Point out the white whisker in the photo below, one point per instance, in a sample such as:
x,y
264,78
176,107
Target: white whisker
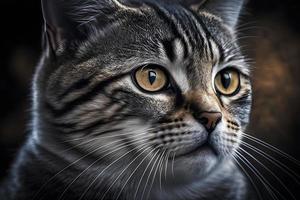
x,y
262,179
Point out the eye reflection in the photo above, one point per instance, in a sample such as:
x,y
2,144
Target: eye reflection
x,y
226,79
227,82
151,78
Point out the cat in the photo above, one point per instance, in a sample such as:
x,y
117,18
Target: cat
x,y
136,100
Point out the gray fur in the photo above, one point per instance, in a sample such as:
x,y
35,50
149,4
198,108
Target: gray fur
x,y
96,135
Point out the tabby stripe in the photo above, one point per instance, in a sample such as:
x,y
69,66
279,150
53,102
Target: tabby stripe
x,y
203,35
130,94
179,100
78,85
108,131
90,128
100,123
68,107
63,125
169,49
198,39
211,50
73,125
231,58
209,36
168,20
185,31
220,49
246,98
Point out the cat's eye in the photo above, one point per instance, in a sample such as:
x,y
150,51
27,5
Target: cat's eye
x,y
151,78
227,82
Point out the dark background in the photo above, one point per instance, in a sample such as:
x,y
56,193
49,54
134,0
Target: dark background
x,y
269,32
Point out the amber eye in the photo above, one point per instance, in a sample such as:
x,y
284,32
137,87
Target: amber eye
x,y
151,79
227,82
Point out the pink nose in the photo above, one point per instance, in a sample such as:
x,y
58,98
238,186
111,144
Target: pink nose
x,y
210,120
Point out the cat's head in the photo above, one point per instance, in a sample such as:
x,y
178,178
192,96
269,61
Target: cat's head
x,y
145,79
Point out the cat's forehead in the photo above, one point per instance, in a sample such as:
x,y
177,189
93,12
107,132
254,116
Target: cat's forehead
x,y
171,30
167,35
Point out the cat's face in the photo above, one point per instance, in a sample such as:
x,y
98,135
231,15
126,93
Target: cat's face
x,y
160,84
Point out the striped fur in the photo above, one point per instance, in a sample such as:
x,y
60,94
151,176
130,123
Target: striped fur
x,y
97,136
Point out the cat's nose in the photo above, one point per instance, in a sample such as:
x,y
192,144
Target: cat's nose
x,y
210,120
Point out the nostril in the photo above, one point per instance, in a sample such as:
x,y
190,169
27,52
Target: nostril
x,y
218,120
203,120
210,120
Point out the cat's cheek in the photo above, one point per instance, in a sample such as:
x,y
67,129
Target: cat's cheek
x,y
150,106
224,141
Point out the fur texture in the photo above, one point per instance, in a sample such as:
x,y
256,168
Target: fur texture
x,y
96,135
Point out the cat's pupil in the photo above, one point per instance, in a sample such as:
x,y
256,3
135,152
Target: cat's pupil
x,y
226,79
152,77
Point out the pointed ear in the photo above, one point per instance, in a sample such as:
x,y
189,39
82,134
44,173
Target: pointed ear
x,y
70,21
227,10
58,25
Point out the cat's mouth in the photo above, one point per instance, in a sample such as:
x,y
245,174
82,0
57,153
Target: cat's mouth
x,y
202,150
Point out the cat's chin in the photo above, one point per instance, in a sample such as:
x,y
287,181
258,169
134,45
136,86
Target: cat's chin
x,y
195,165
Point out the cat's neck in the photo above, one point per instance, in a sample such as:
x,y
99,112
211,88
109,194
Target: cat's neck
x,y
37,170
29,176
225,182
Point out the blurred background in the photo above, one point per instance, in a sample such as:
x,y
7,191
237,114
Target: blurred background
x,y
269,33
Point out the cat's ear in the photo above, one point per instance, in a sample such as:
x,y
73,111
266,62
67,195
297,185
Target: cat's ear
x,y
58,26
227,10
70,21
